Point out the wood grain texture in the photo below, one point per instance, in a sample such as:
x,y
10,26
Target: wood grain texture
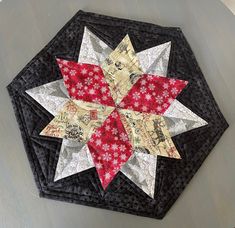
x,y
27,26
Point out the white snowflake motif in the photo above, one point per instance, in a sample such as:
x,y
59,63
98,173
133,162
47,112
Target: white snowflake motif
x,y
66,78
122,104
114,131
96,86
115,161
98,142
114,115
115,154
122,148
103,89
136,104
148,97
159,108
83,71
107,127
123,137
151,86
66,69
73,90
96,69
88,81
103,80
165,105
123,156
105,147
174,91
72,72
104,98
106,156
149,77
99,165
96,100
92,91
143,89
108,120
97,133
136,96
170,100
90,73
159,99
80,93
143,82
67,86
172,81
79,85
144,108
165,93
114,146
107,176
96,77
165,86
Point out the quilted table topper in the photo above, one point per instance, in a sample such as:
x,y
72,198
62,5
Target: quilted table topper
x,y
115,114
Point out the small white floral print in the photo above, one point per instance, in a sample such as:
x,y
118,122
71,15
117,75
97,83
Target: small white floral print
x,y
136,104
80,93
105,147
79,85
73,90
148,97
107,127
83,71
72,72
107,176
170,100
165,86
136,96
98,133
99,165
143,82
122,148
88,81
174,91
151,86
96,69
98,142
92,91
106,157
165,93
114,131
144,109
172,81
123,156
123,137
159,99
114,146
103,89
143,89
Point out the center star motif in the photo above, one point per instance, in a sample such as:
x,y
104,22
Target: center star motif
x,y
114,113
116,110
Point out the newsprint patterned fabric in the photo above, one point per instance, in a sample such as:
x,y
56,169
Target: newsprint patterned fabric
x,y
115,114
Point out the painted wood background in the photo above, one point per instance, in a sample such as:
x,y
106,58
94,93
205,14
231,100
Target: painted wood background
x,y
26,26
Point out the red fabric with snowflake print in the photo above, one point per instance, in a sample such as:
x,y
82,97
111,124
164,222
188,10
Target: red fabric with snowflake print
x,y
152,94
85,82
110,148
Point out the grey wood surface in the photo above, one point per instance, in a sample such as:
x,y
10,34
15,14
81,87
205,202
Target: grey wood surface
x,y
27,25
